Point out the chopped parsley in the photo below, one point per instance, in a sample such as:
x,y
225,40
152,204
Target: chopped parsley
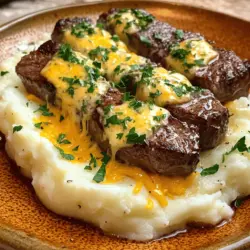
x,y
179,53
72,81
66,53
211,170
76,148
155,94
157,36
39,124
107,109
61,139
143,18
135,104
84,107
97,64
199,62
65,156
92,163
115,38
134,138
159,118
100,175
44,110
100,52
117,69
81,29
127,96
182,89
145,40
2,73
238,202
61,118
147,73
179,34
114,48
114,120
17,128
240,145
119,136
100,26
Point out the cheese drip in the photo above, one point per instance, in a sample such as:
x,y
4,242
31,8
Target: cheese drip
x,y
117,62
190,55
186,57
75,93
126,118
81,146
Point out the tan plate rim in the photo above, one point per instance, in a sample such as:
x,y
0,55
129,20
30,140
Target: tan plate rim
x,y
243,243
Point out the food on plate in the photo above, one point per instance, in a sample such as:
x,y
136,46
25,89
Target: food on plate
x,y
219,70
127,129
113,139
145,80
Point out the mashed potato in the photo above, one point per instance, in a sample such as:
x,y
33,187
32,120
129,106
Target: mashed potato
x,y
68,189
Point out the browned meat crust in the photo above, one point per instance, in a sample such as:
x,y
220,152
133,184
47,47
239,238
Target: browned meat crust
x,y
205,111
228,77
172,150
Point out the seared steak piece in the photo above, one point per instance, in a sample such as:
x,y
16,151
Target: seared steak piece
x,y
29,68
173,149
227,76
206,112
203,110
64,24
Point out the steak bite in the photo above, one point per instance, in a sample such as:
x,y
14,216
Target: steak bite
x,y
29,68
219,70
145,80
170,147
171,150
206,112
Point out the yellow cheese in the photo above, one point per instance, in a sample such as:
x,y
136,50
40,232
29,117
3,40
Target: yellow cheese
x,y
124,59
161,81
125,24
159,187
141,119
57,70
199,53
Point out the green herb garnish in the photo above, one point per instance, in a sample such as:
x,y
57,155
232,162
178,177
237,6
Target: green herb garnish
x,y
17,128
100,175
210,171
61,139
2,73
134,138
44,110
68,157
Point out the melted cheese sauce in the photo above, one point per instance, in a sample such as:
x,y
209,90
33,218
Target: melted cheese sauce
x,y
159,187
199,50
167,94
124,24
142,119
57,69
124,59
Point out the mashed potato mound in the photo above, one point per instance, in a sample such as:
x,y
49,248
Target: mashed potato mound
x,y
69,190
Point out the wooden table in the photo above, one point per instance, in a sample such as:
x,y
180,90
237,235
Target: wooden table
x,y
238,8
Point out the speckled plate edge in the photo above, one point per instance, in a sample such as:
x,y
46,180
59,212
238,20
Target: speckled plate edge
x,y
8,234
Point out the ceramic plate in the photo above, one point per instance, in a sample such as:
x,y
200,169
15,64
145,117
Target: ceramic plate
x,y
26,224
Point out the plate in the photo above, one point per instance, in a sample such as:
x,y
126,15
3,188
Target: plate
x,y
26,224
